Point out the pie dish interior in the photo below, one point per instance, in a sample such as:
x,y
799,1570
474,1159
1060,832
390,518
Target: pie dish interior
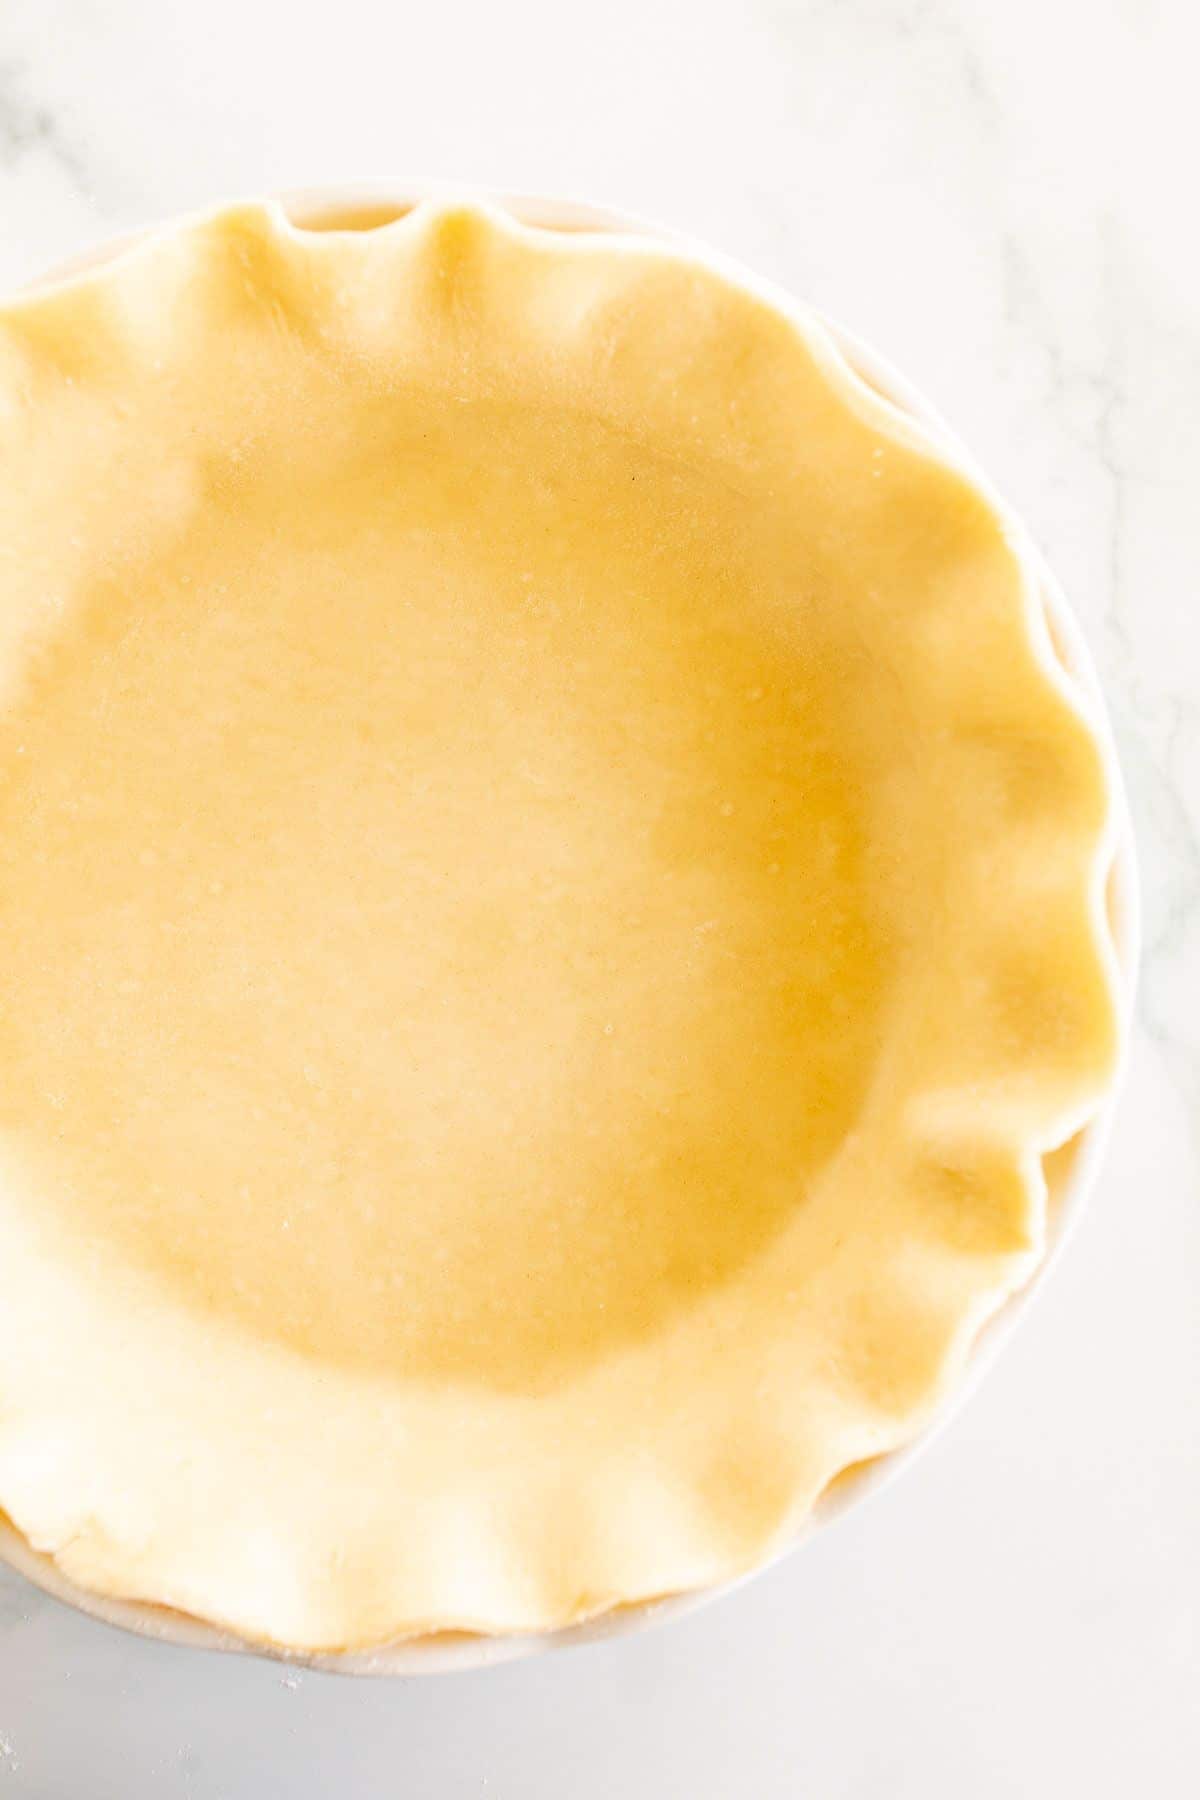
x,y
551,899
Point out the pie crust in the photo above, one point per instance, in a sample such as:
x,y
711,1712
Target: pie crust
x,y
551,904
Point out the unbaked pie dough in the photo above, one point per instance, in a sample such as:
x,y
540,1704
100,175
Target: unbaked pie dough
x,y
550,907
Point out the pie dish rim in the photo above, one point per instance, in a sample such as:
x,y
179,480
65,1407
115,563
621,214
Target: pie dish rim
x,y
439,1652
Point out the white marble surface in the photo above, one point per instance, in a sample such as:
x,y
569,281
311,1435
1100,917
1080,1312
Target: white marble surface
x,y
999,197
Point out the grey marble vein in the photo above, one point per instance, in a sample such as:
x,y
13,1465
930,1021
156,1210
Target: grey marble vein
x,y
29,127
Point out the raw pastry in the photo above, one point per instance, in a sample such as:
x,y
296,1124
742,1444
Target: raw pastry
x,y
550,907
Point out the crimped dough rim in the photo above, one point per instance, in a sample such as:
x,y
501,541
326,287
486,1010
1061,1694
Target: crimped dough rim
x,y
713,1554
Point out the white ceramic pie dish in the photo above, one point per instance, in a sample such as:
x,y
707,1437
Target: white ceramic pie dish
x,y
1069,1173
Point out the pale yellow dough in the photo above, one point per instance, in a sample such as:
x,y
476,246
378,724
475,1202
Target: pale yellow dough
x,y
549,908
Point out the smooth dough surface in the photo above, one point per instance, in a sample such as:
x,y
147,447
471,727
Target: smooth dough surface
x,y
549,908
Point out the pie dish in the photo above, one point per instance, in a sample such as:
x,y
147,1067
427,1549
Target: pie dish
x,y
552,888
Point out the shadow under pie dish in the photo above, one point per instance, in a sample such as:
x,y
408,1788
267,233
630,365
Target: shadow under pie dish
x,y
551,905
